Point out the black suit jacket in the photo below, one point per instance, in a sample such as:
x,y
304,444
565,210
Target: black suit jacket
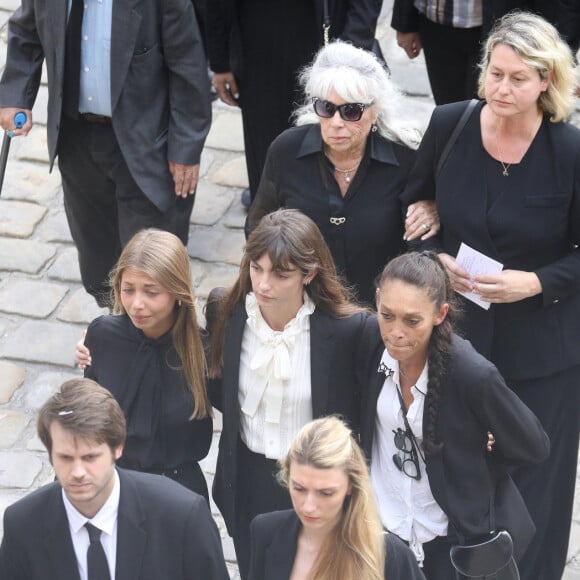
x,y
334,391
464,478
159,86
533,225
351,20
164,531
274,537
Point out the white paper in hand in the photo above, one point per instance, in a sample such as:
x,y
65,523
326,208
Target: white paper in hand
x,y
476,263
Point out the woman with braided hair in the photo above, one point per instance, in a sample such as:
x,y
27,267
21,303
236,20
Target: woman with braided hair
x,y
430,403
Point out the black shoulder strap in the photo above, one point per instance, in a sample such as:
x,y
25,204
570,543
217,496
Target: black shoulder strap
x,y
456,132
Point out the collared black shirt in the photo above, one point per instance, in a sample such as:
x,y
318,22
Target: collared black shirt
x,y
298,175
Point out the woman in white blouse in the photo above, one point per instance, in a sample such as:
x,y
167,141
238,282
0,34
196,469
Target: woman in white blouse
x,y
283,339
429,402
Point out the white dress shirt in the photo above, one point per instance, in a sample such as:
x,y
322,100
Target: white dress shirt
x,y
407,507
105,520
274,391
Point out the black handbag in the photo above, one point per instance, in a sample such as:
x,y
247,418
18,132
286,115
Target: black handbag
x,y
490,559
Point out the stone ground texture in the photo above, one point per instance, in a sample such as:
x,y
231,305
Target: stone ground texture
x,y
44,309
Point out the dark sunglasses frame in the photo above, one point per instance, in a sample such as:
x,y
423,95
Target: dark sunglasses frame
x,y
350,112
406,444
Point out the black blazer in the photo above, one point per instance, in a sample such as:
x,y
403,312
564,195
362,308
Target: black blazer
x,y
351,20
163,531
334,391
464,478
533,225
274,538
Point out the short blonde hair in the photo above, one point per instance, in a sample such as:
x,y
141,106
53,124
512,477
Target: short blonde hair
x,y
357,548
541,47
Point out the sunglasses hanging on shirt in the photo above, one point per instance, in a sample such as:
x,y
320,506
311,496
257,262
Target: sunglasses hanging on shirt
x,y
407,460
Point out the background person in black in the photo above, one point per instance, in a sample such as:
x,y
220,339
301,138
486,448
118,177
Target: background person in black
x,y
347,169
256,49
510,188
334,531
150,356
282,344
421,378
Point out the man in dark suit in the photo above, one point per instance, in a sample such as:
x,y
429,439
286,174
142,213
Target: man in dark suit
x,y
136,526
128,113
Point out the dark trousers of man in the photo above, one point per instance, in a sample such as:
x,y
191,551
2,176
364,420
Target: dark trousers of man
x,y
104,206
451,56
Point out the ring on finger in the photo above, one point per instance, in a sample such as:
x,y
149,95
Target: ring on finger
x,y
426,227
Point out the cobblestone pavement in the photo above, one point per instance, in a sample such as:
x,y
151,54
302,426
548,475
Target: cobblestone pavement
x,y
44,309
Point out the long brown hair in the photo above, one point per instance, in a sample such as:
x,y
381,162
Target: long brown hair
x,y
356,548
290,239
162,256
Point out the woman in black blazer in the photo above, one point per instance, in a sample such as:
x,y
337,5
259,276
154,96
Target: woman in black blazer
x,y
334,531
510,188
429,404
282,344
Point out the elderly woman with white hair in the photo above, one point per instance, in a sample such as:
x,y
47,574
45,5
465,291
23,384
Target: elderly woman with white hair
x,y
345,165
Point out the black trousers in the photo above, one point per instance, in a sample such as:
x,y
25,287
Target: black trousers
x,y
104,206
258,492
451,56
279,37
548,488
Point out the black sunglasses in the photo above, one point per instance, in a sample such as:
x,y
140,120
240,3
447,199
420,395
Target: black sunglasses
x,y
408,465
347,112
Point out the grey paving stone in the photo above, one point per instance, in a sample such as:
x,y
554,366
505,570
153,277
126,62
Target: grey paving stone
x,y
216,245
36,299
226,131
206,161
4,16
66,266
12,424
80,308
235,216
24,255
54,228
217,276
33,147
44,342
232,174
211,203
18,470
411,79
26,181
10,5
46,384
11,377
35,444
18,219
40,109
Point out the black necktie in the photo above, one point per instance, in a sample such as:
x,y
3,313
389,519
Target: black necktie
x,y
72,70
97,566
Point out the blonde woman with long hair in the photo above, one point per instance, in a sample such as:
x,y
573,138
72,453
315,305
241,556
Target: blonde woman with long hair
x,y
150,355
334,531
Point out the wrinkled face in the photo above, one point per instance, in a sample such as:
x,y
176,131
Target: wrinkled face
x,y
346,137
511,86
85,469
318,495
277,290
149,305
406,318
